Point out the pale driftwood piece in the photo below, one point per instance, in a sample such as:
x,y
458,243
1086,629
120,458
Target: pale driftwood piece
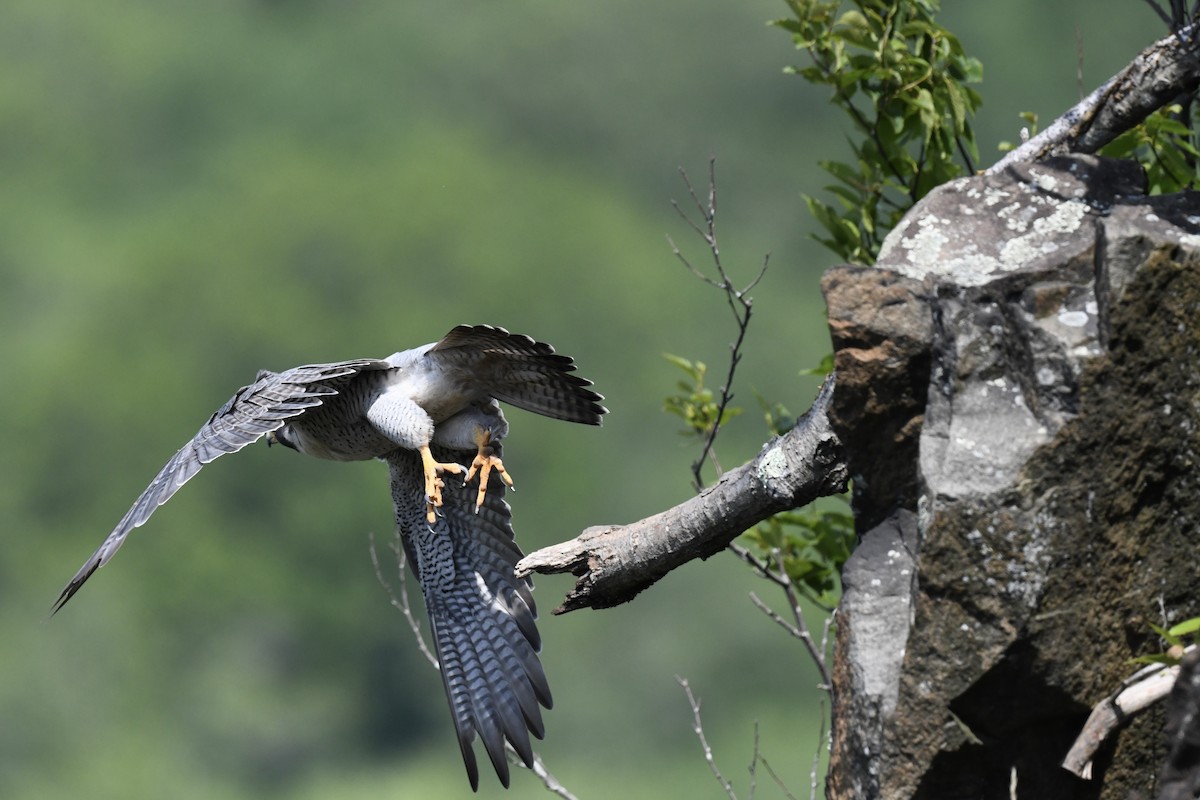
x,y
1146,687
615,562
1162,72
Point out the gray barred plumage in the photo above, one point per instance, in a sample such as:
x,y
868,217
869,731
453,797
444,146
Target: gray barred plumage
x,y
441,399
483,618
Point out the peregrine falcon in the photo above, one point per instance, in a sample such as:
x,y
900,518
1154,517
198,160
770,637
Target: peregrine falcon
x,y
423,411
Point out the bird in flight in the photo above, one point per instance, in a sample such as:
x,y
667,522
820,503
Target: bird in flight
x,y
423,411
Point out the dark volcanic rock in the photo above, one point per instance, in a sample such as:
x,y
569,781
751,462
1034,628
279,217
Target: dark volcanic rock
x,y
1019,382
1181,775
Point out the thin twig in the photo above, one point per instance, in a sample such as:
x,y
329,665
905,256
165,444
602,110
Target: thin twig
x,y
1079,61
698,729
754,764
759,565
779,781
740,303
548,780
826,626
776,618
1163,15
822,741
400,599
798,614
966,157
800,632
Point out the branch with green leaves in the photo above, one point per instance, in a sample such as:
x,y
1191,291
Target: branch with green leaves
x,y
1156,78
904,83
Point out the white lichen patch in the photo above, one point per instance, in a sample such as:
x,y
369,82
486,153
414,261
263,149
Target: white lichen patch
x,y
1065,219
933,245
992,196
926,245
1073,319
773,465
1043,180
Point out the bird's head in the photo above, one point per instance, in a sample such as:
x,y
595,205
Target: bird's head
x,y
282,436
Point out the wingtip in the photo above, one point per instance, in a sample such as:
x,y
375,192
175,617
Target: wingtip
x,y
74,585
66,595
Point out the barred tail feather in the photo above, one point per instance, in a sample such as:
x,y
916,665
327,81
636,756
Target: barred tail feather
x,y
483,618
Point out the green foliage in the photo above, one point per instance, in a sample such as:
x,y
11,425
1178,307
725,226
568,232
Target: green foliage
x,y
807,545
902,80
810,546
1177,637
822,369
779,420
695,404
1163,145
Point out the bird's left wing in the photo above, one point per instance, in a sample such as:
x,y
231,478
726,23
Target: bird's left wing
x,y
254,411
483,617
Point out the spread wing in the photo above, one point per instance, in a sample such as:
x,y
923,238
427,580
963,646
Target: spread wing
x,y
483,617
255,410
516,369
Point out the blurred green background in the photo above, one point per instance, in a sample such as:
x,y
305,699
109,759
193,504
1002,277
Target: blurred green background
x,y
192,191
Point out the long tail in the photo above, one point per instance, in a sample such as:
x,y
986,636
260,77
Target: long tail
x,y
483,618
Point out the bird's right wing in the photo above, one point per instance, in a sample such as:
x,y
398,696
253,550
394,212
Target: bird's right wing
x,y
483,617
520,371
254,411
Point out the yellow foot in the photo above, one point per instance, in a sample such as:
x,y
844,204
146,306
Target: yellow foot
x,y
433,483
485,462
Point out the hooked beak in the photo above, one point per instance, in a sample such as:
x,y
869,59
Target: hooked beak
x,y
280,436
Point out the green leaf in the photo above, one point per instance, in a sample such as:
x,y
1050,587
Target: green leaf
x,y
1185,628
822,369
694,369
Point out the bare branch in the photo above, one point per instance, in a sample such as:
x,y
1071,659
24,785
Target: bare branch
x,y
683,259
1158,75
698,729
754,759
615,562
539,768
800,631
774,616
400,599
754,561
799,628
1142,689
1079,60
778,780
1163,15
822,741
739,302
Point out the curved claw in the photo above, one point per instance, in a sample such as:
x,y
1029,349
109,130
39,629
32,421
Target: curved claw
x,y
433,483
486,462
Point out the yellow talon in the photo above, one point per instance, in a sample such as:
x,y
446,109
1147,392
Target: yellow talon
x,y
485,462
433,483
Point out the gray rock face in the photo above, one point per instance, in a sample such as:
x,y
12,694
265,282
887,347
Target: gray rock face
x,y
1019,390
